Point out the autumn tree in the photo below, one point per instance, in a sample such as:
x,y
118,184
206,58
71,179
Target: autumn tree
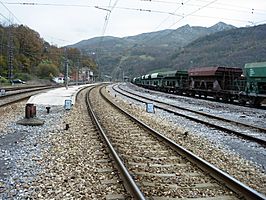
x,y
29,47
47,69
34,56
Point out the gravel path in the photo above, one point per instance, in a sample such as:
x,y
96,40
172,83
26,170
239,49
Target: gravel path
x,y
178,130
21,148
50,162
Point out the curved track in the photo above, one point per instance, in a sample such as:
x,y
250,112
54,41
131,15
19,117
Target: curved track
x,y
245,131
19,95
156,167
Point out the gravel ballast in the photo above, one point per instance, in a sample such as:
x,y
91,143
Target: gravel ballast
x,y
223,157
48,161
55,162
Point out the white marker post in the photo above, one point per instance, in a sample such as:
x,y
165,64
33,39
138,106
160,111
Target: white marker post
x,y
68,104
3,92
150,108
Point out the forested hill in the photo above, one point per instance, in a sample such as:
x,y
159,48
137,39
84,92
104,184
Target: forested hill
x,y
234,47
145,52
32,57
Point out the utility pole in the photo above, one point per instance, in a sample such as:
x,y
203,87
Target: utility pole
x,y
77,73
10,55
66,70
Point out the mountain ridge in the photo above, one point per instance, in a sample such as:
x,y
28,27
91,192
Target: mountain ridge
x,y
220,26
167,49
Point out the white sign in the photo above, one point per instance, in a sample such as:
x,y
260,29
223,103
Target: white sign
x,y
68,104
3,92
150,107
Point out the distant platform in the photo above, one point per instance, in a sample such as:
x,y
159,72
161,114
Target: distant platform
x,y
57,97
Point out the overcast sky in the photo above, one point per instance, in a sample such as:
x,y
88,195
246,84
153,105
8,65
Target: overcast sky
x,y
63,22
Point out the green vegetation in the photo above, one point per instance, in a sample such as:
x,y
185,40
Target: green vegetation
x,y
3,81
166,50
183,48
233,48
47,70
32,56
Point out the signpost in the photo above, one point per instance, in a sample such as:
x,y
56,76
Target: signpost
x,y
3,92
68,104
150,107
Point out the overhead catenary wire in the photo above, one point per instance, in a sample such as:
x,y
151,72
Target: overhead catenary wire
x,y
226,5
106,8
156,37
180,4
182,18
229,6
190,14
5,17
107,17
10,12
193,12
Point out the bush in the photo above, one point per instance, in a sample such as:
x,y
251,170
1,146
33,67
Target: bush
x,y
46,70
3,80
24,76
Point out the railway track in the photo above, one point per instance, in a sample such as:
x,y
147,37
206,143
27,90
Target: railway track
x,y
103,167
21,87
154,167
245,131
22,94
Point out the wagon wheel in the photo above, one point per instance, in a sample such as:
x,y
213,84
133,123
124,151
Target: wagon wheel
x,y
254,101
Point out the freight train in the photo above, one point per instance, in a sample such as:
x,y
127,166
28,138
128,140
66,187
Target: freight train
x,y
228,84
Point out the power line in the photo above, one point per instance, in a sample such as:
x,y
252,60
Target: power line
x,y
49,4
181,4
106,21
229,6
10,12
204,6
5,17
156,37
169,16
106,8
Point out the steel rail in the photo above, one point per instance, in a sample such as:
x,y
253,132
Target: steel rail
x,y
201,113
216,173
23,91
248,137
25,96
22,87
130,183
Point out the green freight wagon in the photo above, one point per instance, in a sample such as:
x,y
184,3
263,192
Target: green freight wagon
x,y
255,89
174,81
256,78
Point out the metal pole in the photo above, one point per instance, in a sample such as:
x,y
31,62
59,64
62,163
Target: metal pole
x,y
66,70
77,73
10,55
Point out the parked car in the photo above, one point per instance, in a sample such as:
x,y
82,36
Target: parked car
x,y
18,81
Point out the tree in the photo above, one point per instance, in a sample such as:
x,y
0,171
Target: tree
x,y
47,70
